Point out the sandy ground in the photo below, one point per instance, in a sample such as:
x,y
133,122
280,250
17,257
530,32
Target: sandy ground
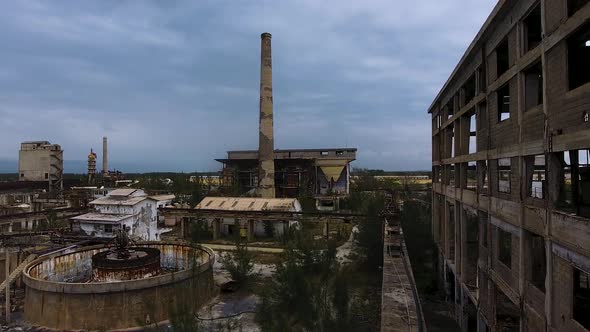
x,y
343,252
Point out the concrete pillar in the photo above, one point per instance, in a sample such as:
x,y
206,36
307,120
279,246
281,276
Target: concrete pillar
x,y
10,228
327,229
216,228
7,285
250,230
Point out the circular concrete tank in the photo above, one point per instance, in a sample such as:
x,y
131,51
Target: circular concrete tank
x,y
61,293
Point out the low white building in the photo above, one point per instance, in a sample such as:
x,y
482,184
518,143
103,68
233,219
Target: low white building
x,y
230,215
132,208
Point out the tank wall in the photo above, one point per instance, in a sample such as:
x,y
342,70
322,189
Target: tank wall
x,y
103,311
115,305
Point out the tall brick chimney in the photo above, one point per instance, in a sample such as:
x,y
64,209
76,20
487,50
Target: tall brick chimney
x,y
266,163
105,161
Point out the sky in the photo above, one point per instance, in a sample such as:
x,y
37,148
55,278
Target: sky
x,y
175,84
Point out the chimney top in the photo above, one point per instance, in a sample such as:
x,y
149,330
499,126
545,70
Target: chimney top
x,y
265,35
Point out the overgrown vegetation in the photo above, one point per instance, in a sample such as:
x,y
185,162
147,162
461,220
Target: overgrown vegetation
x,y
239,263
311,291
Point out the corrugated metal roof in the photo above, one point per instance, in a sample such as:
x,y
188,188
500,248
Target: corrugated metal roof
x,y
249,204
98,217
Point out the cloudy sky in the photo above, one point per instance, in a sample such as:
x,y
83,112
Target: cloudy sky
x,y
174,84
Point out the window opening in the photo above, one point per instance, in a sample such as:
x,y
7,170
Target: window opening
x,y
505,247
533,89
503,96
538,263
472,175
532,29
504,175
502,57
578,51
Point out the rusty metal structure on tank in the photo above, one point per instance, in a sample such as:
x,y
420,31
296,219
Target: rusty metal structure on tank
x,y
125,262
266,166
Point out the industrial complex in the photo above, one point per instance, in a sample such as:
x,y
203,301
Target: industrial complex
x,y
510,144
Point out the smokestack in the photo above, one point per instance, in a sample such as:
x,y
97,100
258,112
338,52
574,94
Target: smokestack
x,y
105,162
266,162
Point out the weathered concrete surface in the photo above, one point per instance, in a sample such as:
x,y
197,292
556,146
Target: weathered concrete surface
x,y
54,303
266,163
400,306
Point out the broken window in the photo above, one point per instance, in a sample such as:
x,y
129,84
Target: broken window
x,y
471,175
502,57
108,228
472,133
503,98
504,175
536,176
538,264
481,78
532,29
483,176
575,182
436,174
449,108
46,175
574,5
505,247
324,153
533,86
581,297
469,89
451,169
578,51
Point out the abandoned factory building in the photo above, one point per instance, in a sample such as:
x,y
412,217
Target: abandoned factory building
x,y
322,173
511,173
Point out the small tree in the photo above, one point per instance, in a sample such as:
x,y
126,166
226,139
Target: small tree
x,y
240,263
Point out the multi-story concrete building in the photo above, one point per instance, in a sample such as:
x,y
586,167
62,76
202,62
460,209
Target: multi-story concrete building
x,y
511,172
41,161
321,173
129,208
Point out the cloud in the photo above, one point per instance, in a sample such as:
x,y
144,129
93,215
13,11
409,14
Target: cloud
x,y
175,84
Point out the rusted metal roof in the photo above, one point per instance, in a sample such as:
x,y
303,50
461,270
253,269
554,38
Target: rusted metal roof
x,y
249,204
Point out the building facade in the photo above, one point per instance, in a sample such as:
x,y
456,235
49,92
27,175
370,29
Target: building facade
x,y
41,161
131,208
321,173
230,216
511,171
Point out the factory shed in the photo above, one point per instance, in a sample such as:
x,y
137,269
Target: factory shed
x,y
229,215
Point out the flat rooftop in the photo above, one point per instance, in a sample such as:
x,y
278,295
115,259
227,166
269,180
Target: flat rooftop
x,y
327,153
